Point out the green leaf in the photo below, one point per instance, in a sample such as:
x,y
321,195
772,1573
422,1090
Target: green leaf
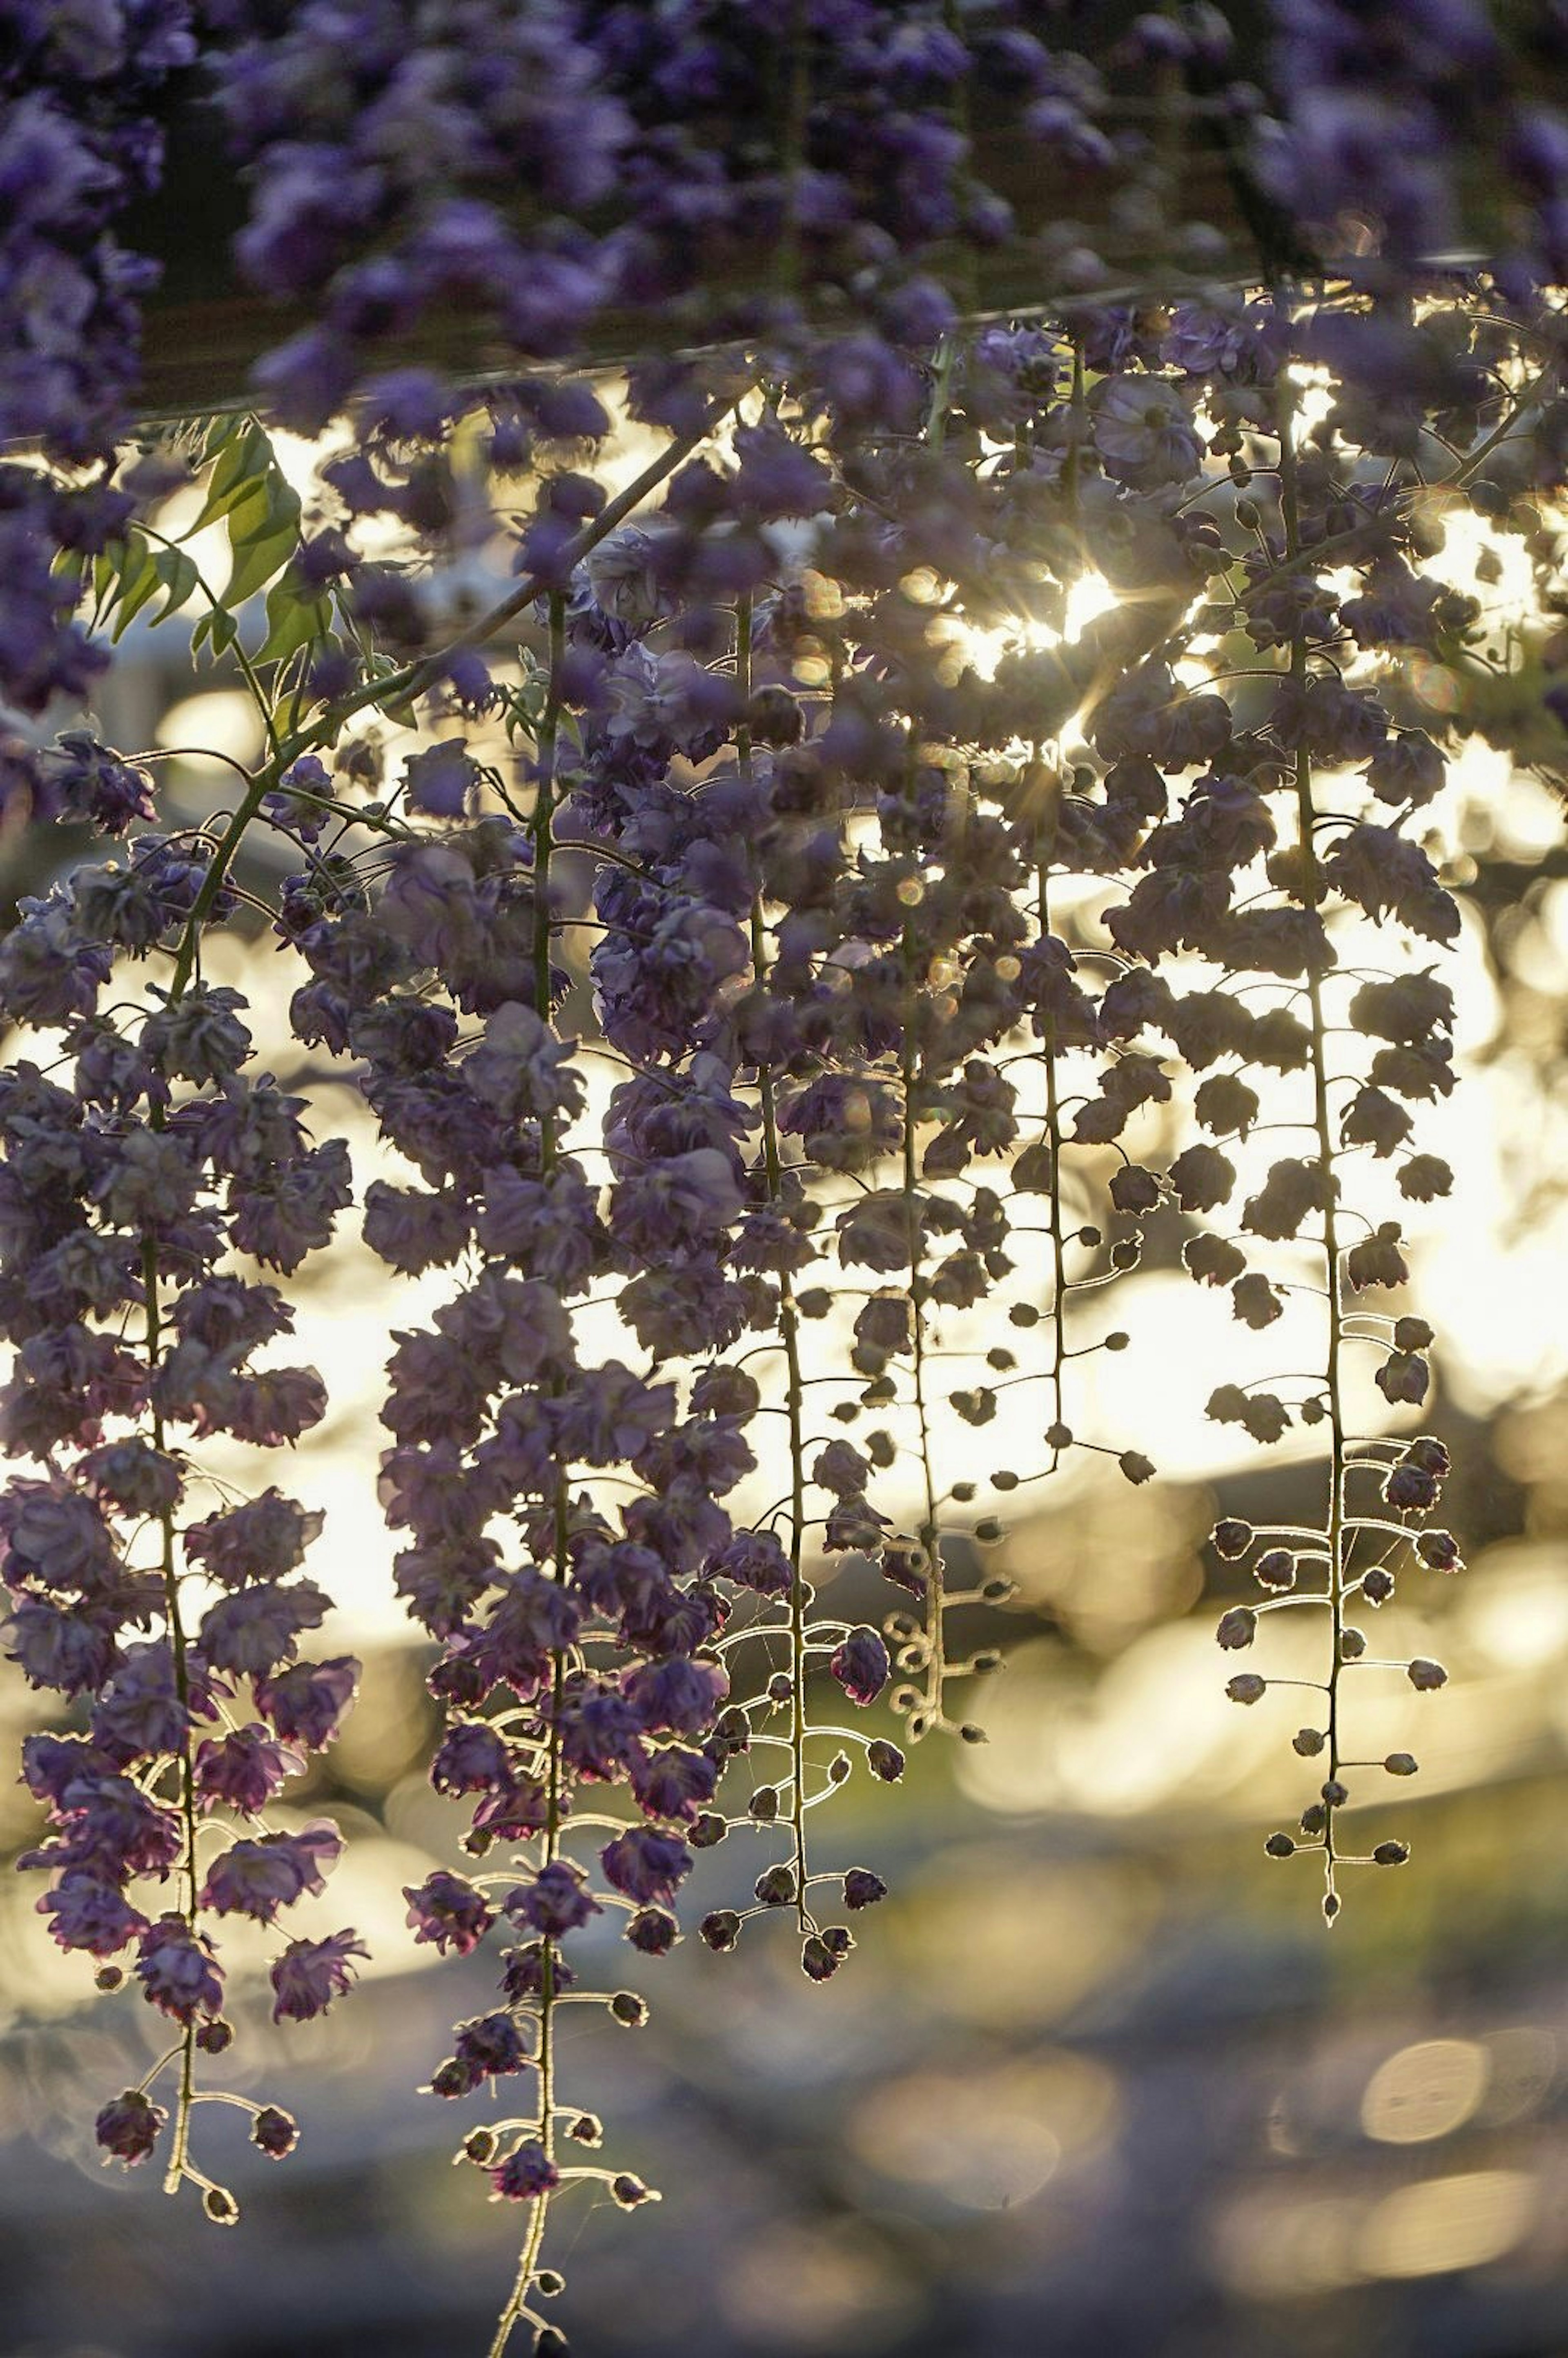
x,y
178,574
138,582
292,621
245,460
218,626
256,560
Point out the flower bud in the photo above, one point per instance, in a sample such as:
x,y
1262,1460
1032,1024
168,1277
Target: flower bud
x,y
213,2038
478,2146
1230,1538
550,2284
1280,1846
455,2078
587,2129
720,1930
1275,1569
1247,1687
1425,1676
653,1932
862,1888
884,1760
1058,1436
817,1961
775,1886
1334,1794
629,2010
274,2132
1352,1645
1237,1627
707,1830
628,2192
839,1768
1390,1854
221,2207
1377,1585
763,1804
1309,1742
107,1978
1401,1764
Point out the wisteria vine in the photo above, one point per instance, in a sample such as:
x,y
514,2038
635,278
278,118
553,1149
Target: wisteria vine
x,y
919,766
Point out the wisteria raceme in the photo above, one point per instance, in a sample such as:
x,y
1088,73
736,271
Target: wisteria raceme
x,y
127,1194
918,848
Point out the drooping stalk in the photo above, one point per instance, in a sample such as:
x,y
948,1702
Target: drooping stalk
x,y
800,1597
175,2175
541,832
1311,888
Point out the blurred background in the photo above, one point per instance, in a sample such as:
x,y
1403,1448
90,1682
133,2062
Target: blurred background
x,y
1097,2078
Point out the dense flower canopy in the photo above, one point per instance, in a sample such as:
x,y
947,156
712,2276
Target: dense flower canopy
x,y
971,746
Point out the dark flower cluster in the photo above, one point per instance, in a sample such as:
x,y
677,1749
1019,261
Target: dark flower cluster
x,y
925,840
149,1177
79,140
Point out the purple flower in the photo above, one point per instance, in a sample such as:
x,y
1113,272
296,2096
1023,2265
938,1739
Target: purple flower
x,y
646,1864
860,1665
557,1901
448,1911
175,1966
1144,432
306,1701
673,1782
257,1877
90,1914
311,1973
258,1629
473,1758
527,2173
492,2045
678,1697
244,1769
441,781
127,2127
139,1714
265,1540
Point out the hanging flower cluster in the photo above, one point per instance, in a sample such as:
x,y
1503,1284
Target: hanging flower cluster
x,y
170,1610
869,878
79,140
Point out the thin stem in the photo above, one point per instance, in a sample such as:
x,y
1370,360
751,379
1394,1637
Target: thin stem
x,y
179,2151
1312,891
789,1335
